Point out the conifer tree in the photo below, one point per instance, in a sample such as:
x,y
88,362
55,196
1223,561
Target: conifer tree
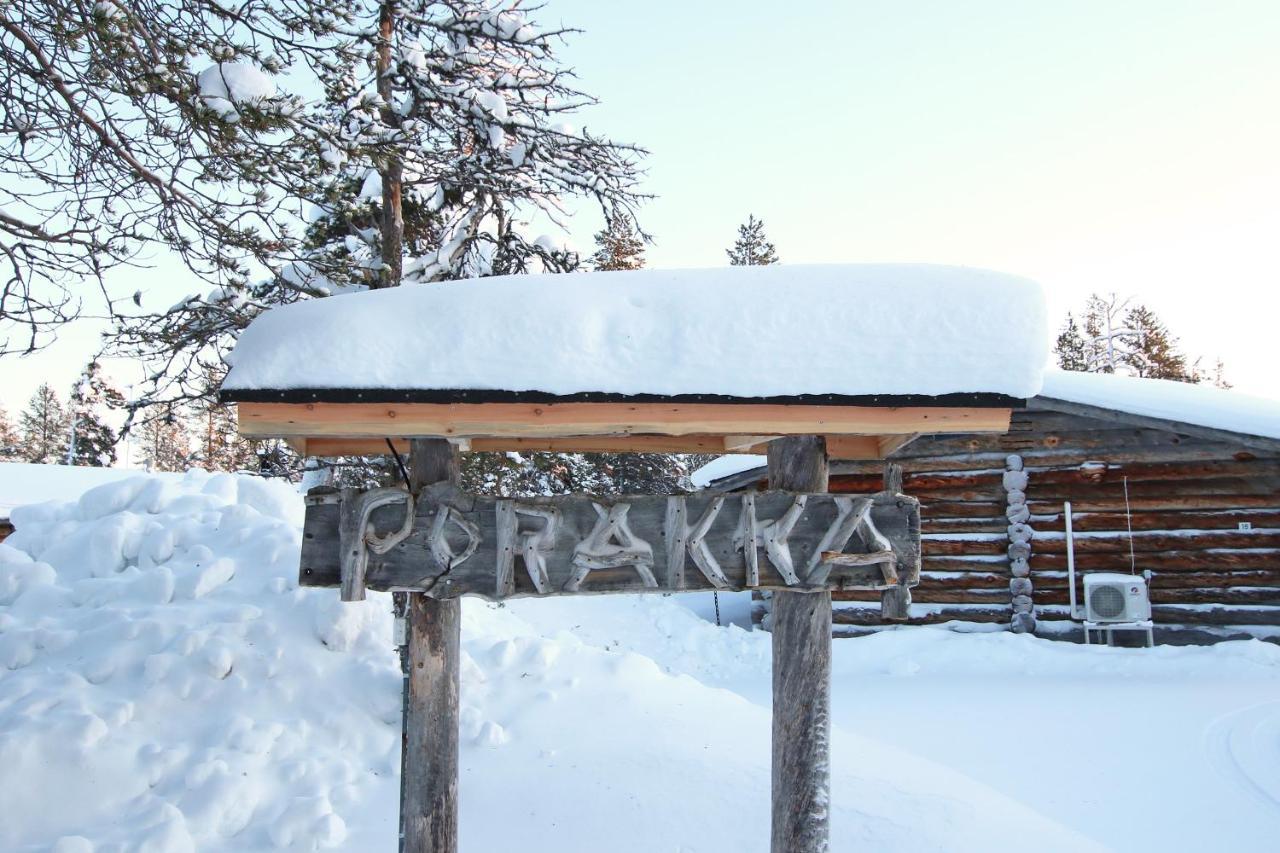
x,y
165,442
1070,349
1152,351
752,248
44,427
92,441
1114,336
219,446
10,441
618,246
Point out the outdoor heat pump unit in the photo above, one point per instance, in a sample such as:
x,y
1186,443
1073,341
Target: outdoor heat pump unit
x,y
1113,597
1112,600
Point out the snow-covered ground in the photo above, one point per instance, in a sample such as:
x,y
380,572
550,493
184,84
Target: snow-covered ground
x,y
165,686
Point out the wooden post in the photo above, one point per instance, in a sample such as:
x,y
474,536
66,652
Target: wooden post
x,y
895,602
801,677
429,768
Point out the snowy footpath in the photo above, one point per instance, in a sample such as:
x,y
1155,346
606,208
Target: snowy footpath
x,y
166,686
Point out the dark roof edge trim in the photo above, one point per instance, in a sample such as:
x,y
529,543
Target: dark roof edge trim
x,y
415,395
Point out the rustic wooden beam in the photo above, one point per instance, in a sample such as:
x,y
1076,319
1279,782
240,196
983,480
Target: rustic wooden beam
x,y
429,770
801,678
553,420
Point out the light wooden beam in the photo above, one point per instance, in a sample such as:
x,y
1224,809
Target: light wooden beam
x,y
844,447
746,443
557,420
890,444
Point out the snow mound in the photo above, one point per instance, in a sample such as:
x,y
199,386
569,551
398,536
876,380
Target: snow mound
x,y
165,685
726,466
26,483
740,331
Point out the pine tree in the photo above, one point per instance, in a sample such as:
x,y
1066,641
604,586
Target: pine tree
x,y
10,440
443,137
165,441
752,248
219,446
92,442
127,125
1152,351
618,246
44,427
1116,337
1070,348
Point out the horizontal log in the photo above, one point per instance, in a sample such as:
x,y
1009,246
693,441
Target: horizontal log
x,y
1165,561
1087,522
556,420
1146,542
1196,471
924,595
1165,595
871,616
1046,580
1049,506
1198,491
462,544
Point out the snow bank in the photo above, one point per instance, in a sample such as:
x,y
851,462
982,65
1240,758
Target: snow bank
x,y
740,331
24,483
165,686
1201,405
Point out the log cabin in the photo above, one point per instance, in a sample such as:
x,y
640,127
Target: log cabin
x,y
1193,471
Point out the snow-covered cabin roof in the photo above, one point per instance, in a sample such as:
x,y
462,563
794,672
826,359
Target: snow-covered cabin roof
x,y
1213,413
1173,402
816,334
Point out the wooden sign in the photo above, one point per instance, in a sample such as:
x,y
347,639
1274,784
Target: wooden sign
x,y
449,543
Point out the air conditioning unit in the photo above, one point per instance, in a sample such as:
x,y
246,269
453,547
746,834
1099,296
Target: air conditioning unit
x,y
1111,597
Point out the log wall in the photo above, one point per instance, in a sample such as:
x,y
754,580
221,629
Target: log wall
x,y
1187,495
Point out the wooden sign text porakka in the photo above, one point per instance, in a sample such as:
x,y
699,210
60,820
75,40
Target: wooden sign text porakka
x,y
450,543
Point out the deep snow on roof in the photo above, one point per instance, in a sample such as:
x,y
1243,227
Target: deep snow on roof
x,y
871,329
1200,405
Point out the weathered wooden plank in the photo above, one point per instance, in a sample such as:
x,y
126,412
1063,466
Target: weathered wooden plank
x,y
1103,414
801,779
459,543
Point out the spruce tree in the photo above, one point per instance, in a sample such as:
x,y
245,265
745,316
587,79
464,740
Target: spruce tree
x,y
92,441
618,246
752,248
1070,349
1152,351
44,427
10,440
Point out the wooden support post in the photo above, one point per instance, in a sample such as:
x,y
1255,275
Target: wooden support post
x,y
429,768
801,677
895,602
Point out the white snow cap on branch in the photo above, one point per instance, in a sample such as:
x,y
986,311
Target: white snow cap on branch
x,y
226,84
740,331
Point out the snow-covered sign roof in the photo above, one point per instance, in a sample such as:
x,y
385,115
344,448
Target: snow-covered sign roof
x,y
1160,399
742,332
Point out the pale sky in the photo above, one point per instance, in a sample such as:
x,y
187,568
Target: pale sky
x,y
1129,146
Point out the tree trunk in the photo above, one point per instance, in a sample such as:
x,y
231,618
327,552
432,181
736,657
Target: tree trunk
x,y
801,678
391,169
429,771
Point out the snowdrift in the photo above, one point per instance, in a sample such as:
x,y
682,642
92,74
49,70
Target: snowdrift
x,y
166,686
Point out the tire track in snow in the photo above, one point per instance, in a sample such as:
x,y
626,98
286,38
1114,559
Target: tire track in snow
x,y
1244,745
